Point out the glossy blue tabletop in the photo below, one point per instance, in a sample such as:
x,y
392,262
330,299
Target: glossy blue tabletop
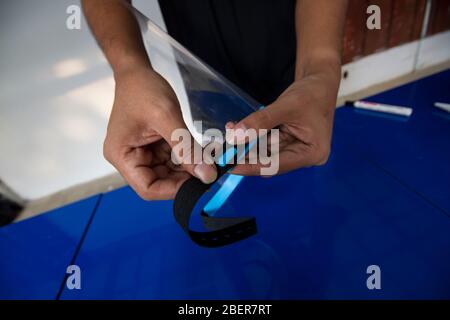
x,y
416,151
319,230
35,253
382,199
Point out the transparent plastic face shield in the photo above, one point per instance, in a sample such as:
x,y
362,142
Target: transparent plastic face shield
x,y
207,101
204,95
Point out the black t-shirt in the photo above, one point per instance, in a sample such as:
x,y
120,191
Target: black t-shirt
x,y
250,42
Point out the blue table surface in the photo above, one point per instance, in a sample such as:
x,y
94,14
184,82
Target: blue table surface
x,y
319,229
415,151
35,253
382,199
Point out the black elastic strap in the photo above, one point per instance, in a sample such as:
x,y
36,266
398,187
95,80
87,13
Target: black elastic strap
x,y
224,231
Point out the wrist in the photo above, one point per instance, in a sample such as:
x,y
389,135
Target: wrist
x,y
129,66
328,65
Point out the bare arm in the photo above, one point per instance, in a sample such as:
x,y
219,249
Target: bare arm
x,y
145,111
117,33
304,111
319,27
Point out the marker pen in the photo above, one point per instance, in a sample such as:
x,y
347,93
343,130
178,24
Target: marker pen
x,y
442,106
373,106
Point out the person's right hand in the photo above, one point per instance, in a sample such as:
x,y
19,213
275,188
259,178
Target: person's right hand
x,y
138,141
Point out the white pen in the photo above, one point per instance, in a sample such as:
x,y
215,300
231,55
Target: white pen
x,y
373,106
442,106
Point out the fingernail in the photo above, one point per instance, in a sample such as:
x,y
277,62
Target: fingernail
x,y
229,136
206,173
240,132
229,125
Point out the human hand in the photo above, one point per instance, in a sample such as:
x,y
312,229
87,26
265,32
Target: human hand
x,y
138,141
304,115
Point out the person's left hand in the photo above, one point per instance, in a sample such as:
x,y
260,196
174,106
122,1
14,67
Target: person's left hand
x,y
304,115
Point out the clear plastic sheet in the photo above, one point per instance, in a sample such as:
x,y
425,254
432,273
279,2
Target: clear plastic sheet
x,y
204,94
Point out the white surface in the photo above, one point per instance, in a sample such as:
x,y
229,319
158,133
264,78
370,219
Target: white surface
x,y
56,91
395,62
434,50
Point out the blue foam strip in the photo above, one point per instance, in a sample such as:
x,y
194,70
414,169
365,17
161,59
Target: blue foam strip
x,y
231,182
219,198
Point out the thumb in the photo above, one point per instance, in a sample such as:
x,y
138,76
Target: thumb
x,y
185,150
265,118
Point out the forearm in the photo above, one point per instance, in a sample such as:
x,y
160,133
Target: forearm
x,y
118,34
319,28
